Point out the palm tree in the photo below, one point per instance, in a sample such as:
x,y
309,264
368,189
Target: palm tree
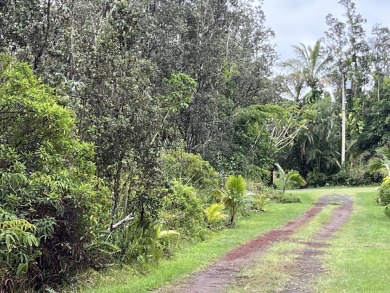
x,y
381,163
289,177
319,141
232,196
309,68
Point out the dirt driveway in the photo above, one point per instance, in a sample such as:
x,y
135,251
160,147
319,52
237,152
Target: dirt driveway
x,y
307,263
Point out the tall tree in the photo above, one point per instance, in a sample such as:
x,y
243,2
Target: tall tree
x,y
225,47
309,68
47,178
347,47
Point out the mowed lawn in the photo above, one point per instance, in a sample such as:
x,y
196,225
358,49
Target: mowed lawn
x,y
359,260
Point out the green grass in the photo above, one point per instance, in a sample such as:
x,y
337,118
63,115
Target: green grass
x,y
272,271
359,258
357,261
197,256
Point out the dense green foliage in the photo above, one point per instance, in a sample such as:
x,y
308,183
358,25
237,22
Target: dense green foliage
x,y
183,210
53,205
384,192
141,108
191,169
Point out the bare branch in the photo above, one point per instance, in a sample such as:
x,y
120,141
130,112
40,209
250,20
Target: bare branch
x,y
128,218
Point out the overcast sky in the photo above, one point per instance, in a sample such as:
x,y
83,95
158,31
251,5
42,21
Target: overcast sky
x,y
303,21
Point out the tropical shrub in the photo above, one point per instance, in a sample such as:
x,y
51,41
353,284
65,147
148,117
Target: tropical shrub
x,y
50,197
290,179
215,214
285,198
182,210
276,195
190,168
256,172
17,247
318,179
259,201
356,176
381,163
143,246
232,196
384,192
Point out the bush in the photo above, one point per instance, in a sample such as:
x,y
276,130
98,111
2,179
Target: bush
x,y
191,169
356,176
387,211
142,246
259,201
340,178
256,186
257,173
278,196
48,185
287,199
384,192
182,210
317,179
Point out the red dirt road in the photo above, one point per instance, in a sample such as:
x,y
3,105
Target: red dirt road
x,y
222,273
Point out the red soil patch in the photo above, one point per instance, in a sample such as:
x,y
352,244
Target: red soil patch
x,y
220,275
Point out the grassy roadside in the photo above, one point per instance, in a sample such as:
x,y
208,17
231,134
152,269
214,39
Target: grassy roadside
x,y
359,259
200,255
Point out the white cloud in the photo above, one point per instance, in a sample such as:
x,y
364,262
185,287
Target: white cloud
x,y
303,21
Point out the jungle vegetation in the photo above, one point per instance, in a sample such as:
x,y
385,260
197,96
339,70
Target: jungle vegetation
x,y
122,121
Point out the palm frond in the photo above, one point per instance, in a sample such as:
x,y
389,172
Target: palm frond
x,y
294,176
280,170
236,184
214,213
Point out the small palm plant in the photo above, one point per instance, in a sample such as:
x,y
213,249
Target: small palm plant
x,y
292,176
259,201
381,163
232,196
215,214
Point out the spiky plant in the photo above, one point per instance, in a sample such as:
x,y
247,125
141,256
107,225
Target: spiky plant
x,y
292,176
259,201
